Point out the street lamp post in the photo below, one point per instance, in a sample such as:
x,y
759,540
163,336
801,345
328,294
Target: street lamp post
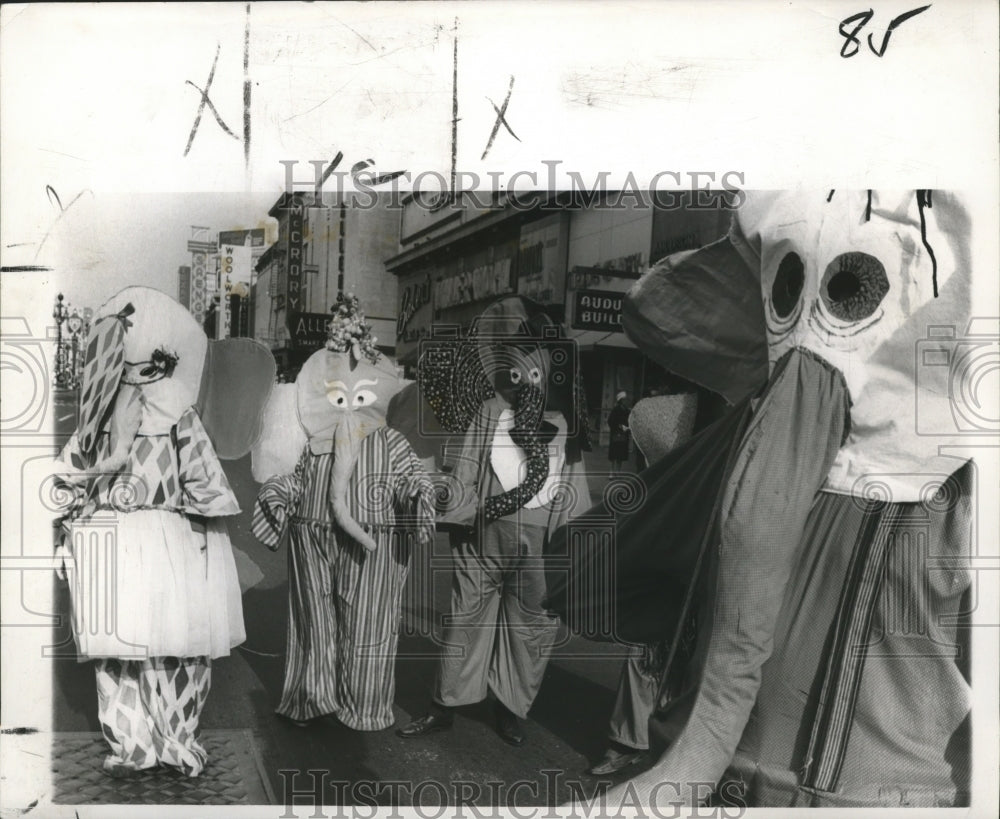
x,y
60,313
74,324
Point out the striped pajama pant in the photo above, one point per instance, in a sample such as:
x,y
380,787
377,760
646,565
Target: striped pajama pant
x,y
343,625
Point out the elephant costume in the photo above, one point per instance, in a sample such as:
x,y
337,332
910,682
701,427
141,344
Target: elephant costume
x,y
153,581
354,505
512,389
814,540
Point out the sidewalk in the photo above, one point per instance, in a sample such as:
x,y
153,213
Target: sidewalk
x,y
566,730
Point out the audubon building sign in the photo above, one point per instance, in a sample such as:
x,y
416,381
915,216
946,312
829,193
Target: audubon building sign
x,y
598,310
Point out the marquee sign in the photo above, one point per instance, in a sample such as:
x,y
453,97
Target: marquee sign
x,y
598,310
296,211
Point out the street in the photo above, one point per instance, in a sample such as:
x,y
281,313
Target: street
x,y
566,730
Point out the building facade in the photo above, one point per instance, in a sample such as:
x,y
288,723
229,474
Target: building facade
x,y
215,288
320,252
579,258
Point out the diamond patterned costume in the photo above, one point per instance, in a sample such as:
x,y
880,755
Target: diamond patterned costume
x,y
153,583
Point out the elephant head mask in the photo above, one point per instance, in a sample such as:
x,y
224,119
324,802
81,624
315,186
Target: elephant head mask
x,y
341,396
809,317
516,351
147,361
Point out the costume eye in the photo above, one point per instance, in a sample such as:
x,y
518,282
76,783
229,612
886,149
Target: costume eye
x,y
853,286
515,376
364,398
337,397
534,375
787,286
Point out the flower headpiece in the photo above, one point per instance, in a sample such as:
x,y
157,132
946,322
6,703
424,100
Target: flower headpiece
x,y
347,330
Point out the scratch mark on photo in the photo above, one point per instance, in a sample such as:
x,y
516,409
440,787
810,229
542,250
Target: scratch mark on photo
x,y
63,153
356,33
319,104
62,212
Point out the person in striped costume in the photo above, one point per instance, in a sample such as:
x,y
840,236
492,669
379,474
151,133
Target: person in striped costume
x,y
354,507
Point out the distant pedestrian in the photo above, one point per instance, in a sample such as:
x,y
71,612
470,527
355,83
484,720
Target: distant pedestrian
x,y
618,447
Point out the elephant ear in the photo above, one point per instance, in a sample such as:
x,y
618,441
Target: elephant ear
x,y
699,314
453,382
411,415
235,385
282,438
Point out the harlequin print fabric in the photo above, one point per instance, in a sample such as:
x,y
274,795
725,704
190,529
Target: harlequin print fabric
x,y
153,567
149,711
176,470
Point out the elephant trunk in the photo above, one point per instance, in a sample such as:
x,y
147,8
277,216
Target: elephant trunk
x,y
799,423
346,446
122,430
529,405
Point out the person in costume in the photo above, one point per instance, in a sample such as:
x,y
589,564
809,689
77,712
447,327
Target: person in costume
x,y
820,532
152,578
512,388
618,445
658,423
354,506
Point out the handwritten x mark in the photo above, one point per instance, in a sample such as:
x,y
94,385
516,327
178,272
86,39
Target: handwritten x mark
x,y
206,101
501,120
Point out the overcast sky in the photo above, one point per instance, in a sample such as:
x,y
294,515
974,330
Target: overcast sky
x,y
107,241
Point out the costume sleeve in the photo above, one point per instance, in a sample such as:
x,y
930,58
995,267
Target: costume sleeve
x,y
460,503
276,501
205,490
414,492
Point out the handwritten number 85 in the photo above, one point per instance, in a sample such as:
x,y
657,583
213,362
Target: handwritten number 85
x,y
862,18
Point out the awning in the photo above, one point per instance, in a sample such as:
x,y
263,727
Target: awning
x,y
596,339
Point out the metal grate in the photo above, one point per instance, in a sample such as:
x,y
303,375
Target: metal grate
x,y
234,775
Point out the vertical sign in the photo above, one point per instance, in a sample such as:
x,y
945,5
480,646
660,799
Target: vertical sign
x,y
184,286
236,265
296,224
199,288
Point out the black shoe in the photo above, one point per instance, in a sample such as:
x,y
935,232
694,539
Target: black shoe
x,y
508,726
427,724
298,723
617,760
